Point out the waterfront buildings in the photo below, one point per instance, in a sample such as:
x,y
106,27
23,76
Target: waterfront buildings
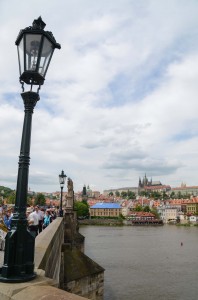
x,y
141,216
105,210
120,190
192,208
127,206
168,213
193,219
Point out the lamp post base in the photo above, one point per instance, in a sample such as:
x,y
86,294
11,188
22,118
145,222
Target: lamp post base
x,y
19,255
15,279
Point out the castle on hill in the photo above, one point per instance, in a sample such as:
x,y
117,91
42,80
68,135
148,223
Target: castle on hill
x,y
145,182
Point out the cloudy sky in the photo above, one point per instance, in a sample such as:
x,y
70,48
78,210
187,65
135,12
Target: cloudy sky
x,y
120,98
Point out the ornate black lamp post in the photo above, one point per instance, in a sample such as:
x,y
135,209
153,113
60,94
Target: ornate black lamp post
x,y
62,178
35,50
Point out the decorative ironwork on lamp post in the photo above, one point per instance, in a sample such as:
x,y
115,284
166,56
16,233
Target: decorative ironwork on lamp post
x,y
62,178
35,50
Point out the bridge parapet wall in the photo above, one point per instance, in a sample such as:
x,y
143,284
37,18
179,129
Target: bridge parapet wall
x,y
48,249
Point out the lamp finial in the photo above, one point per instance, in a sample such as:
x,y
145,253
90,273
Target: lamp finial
x,y
38,23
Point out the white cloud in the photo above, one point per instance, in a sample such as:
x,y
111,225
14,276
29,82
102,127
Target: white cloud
x,y
120,97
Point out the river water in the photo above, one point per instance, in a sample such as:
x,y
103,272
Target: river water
x,y
145,263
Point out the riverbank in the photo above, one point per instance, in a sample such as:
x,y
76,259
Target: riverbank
x,y
102,222
119,222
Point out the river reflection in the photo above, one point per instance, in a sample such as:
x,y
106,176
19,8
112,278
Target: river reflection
x,y
145,262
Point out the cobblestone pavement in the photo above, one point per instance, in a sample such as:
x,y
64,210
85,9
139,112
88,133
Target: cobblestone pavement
x,y
1,258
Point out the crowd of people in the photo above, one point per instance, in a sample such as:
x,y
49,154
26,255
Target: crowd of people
x,y
38,219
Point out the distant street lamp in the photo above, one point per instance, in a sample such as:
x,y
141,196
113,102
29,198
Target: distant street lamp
x,y
62,178
35,50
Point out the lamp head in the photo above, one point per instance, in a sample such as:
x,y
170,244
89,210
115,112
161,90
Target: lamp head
x,y
62,178
35,49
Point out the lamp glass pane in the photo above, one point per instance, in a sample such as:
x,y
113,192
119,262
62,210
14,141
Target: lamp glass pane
x,y
32,46
46,53
61,180
21,56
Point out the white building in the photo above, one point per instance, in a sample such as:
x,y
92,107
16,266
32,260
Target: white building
x,y
168,213
193,219
126,207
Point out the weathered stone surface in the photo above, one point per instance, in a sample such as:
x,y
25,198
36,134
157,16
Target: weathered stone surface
x,y
82,276
8,290
45,293
91,287
39,288
78,265
71,231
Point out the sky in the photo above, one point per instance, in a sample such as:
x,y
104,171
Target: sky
x,y
120,98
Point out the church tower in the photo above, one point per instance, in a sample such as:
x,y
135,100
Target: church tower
x,y
84,193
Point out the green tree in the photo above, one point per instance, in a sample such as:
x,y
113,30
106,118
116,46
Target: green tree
x,y
164,195
123,194
111,194
138,208
155,212
144,193
186,196
156,195
82,208
40,199
172,195
147,209
5,192
131,195
11,198
85,202
179,195
29,200
117,193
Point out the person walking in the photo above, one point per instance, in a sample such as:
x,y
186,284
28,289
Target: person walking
x,y
7,219
33,221
40,214
3,232
47,219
